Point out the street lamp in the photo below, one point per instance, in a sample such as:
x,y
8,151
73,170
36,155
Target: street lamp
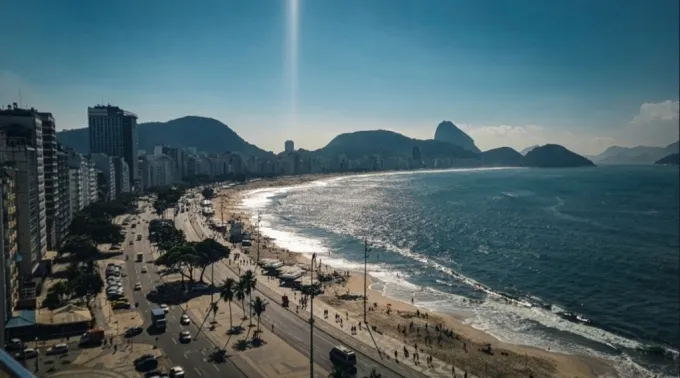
x,y
311,320
366,250
258,239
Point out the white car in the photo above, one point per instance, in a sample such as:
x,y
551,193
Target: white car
x,y
27,353
58,349
184,336
138,286
144,269
165,308
176,372
184,319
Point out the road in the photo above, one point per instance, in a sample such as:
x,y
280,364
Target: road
x,y
295,330
193,357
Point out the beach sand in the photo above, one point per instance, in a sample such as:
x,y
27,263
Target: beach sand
x,y
463,349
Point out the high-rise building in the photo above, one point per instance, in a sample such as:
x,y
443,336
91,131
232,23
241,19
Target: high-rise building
x,y
23,150
49,144
105,163
289,146
122,176
9,271
64,218
113,131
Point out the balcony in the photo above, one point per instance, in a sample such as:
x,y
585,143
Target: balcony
x,y
10,368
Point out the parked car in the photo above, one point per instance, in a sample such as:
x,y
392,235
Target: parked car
x,y
27,353
133,331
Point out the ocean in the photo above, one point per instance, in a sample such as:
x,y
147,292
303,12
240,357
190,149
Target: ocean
x,y
583,260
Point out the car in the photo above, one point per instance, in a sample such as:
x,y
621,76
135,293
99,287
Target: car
x,y
184,319
131,242
138,286
146,362
133,331
176,372
165,308
144,270
120,305
27,353
58,349
184,336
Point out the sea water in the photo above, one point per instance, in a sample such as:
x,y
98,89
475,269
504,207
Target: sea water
x,y
509,250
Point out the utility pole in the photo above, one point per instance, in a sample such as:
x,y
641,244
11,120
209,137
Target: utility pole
x,y
311,321
366,250
257,260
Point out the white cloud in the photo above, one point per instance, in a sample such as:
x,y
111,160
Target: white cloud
x,y
661,111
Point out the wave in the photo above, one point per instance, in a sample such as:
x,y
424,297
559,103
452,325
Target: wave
x,y
513,318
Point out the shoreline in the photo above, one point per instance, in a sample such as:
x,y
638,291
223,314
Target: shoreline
x,y
462,351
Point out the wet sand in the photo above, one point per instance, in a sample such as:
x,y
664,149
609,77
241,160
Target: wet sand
x,y
446,338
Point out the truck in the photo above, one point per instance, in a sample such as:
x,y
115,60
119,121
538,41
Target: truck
x,y
284,301
93,336
140,257
158,318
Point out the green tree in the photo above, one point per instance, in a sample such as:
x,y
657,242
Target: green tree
x,y
57,295
227,295
87,285
209,251
241,295
183,258
249,281
99,229
80,247
259,306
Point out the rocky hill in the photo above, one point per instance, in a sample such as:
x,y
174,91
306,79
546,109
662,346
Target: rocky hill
x,y
206,134
635,155
673,159
502,157
390,144
450,133
554,156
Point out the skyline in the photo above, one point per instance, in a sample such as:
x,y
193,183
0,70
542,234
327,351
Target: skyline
x,y
583,75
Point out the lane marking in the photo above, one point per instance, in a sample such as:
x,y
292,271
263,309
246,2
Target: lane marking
x,y
216,368
198,371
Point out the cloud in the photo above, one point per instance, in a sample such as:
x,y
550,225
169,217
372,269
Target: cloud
x,y
661,111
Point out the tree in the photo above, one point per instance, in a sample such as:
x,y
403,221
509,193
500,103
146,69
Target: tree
x,y
81,247
209,251
57,295
87,285
249,281
214,307
259,306
227,295
183,258
240,291
99,229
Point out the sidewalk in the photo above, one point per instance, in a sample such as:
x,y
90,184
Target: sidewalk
x,y
382,343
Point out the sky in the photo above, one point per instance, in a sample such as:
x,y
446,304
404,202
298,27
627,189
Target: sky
x,y
586,74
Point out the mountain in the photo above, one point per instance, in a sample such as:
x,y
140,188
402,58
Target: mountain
x,y
672,159
635,155
502,156
390,144
206,134
554,156
448,132
526,150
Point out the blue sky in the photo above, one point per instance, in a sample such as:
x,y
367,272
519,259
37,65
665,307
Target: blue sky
x,y
583,73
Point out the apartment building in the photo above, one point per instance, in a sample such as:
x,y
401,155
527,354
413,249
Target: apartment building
x,y
49,147
105,164
9,271
113,131
64,198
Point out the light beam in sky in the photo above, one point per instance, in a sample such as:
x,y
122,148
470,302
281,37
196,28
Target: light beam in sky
x,y
292,39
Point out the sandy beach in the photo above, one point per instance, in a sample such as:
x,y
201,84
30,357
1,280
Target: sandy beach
x,y
441,336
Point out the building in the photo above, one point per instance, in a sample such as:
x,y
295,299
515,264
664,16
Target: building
x,y
113,131
64,198
105,163
157,171
82,182
289,146
49,144
122,175
9,271
23,151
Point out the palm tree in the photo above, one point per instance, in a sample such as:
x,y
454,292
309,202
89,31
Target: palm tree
x,y
240,291
249,280
228,296
259,306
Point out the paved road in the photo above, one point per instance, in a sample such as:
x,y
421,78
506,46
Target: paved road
x,y
295,330
192,357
